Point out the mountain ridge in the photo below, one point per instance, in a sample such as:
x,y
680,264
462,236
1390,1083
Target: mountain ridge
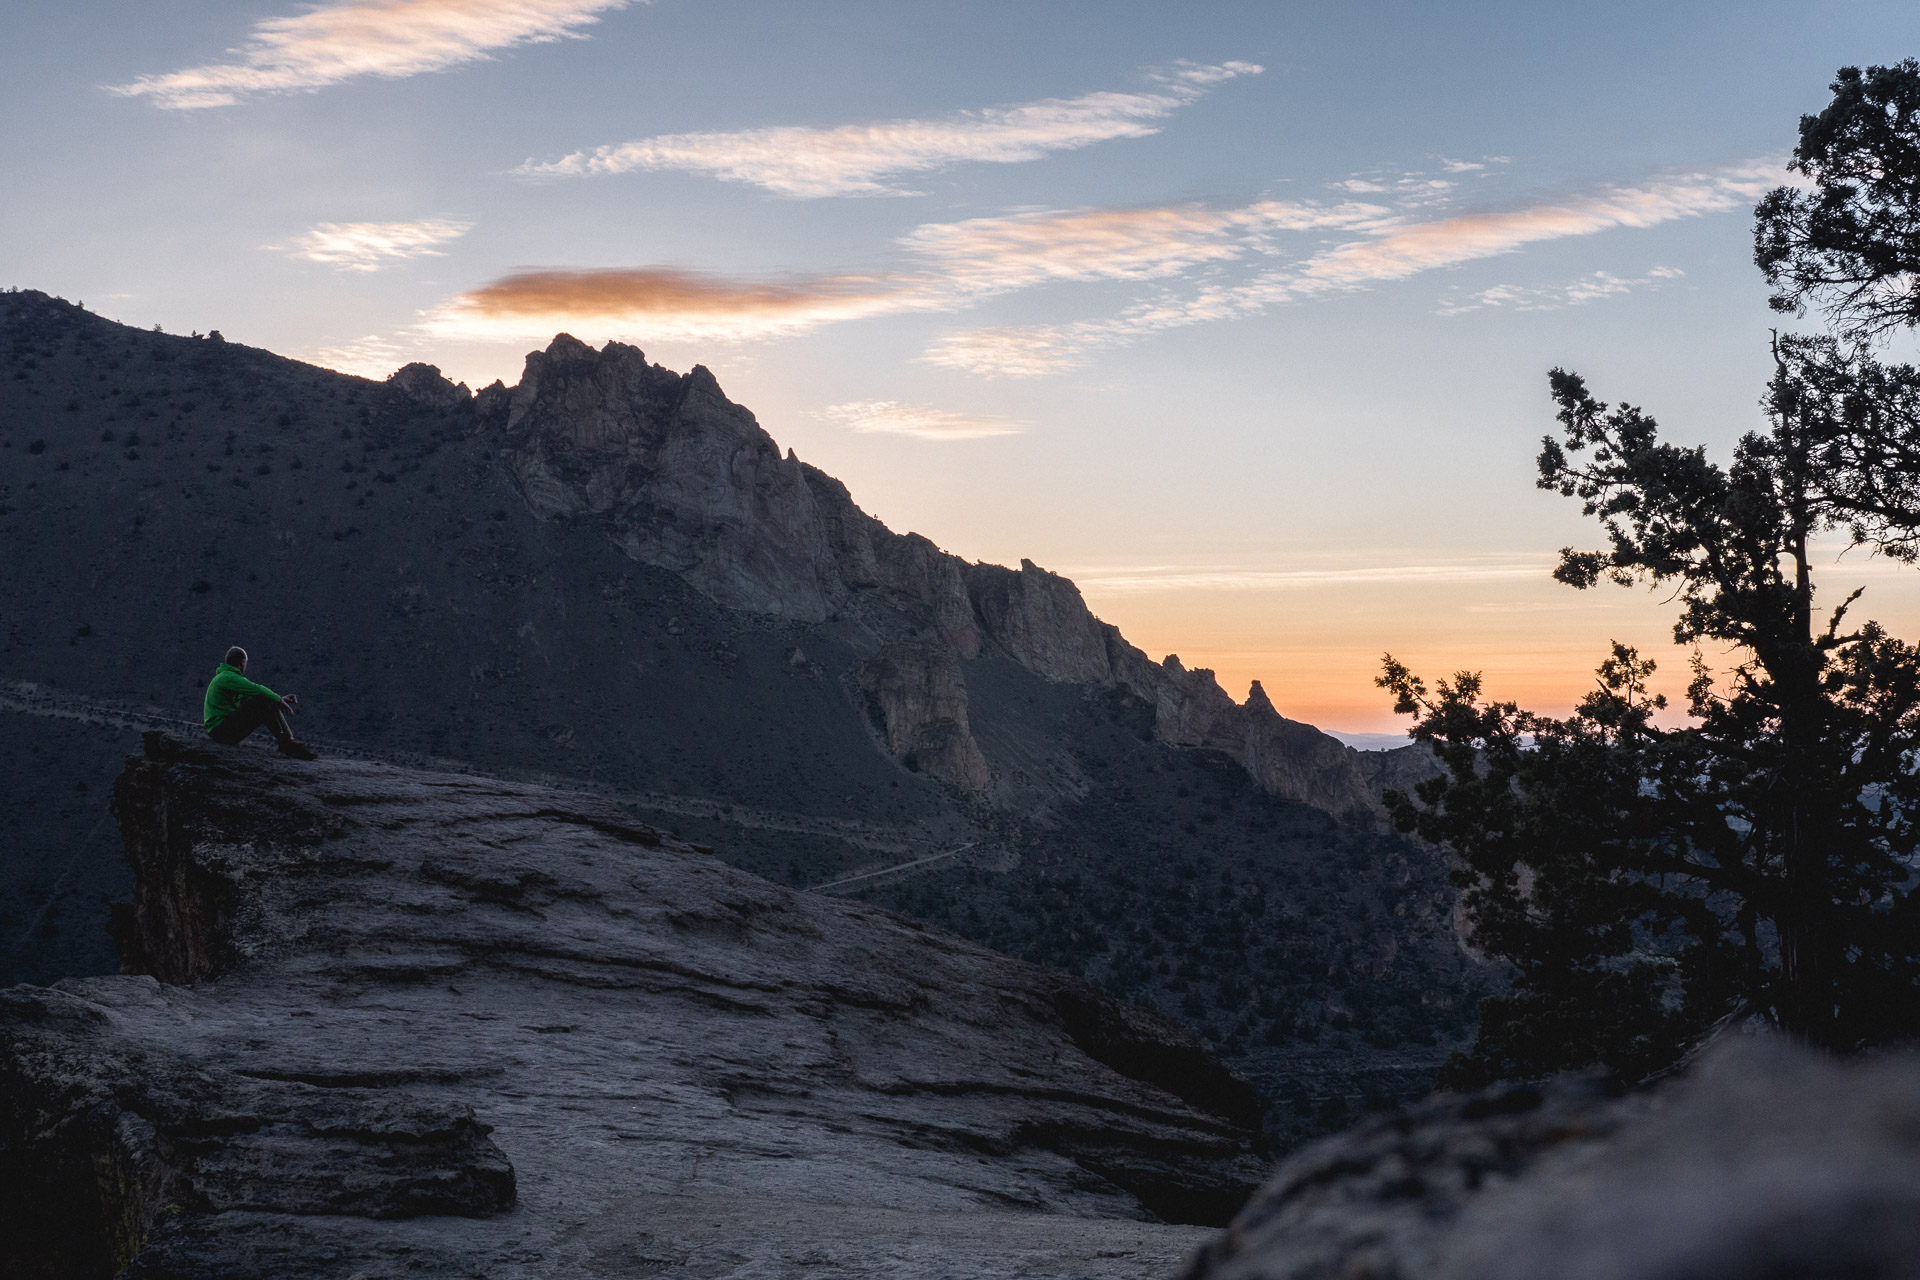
x,y
690,482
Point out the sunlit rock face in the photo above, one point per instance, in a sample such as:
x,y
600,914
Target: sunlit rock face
x,y
480,1028
919,698
685,478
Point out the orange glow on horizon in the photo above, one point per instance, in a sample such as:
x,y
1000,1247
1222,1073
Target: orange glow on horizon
x,y
1316,648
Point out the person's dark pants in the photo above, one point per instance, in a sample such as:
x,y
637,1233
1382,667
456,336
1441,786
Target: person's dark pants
x,y
255,711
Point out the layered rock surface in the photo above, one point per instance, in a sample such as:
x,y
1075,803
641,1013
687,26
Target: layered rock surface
x,y
472,1027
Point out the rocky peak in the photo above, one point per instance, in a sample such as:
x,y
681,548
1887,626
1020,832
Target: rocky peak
x,y
424,384
686,478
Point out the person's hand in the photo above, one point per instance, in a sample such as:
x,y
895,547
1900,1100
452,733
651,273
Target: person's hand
x,y
291,700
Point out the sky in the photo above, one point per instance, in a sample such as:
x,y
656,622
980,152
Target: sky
x,y
1239,314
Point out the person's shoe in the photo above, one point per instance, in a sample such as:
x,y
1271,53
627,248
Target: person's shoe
x,y
297,749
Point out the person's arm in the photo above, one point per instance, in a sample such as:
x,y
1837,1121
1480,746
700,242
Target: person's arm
x,y
241,685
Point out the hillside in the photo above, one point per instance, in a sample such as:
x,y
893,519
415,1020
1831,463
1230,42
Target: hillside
x,y
610,574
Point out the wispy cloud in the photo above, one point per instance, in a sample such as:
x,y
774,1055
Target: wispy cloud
x,y
330,43
665,303
1479,166
366,246
1397,252
1135,581
1392,250
862,159
1585,289
890,417
983,255
370,357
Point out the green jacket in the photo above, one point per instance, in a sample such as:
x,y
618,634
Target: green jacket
x,y
224,692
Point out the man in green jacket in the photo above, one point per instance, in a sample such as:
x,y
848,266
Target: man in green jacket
x,y
236,706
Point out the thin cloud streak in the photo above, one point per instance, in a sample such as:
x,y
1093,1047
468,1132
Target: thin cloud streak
x,y
1398,252
1395,250
331,43
1142,581
664,303
372,356
366,246
1588,288
991,255
890,417
859,159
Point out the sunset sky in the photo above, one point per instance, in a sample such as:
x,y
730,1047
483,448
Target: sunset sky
x,y
1239,314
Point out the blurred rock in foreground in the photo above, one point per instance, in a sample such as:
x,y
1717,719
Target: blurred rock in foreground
x,y
1766,1162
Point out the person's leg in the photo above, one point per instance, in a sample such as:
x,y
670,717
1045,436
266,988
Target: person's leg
x,y
275,720
254,712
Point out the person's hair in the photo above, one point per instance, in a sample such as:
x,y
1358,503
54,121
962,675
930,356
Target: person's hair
x,y
236,656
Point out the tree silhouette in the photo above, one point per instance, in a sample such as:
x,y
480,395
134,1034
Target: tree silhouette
x,y
1646,882
1851,243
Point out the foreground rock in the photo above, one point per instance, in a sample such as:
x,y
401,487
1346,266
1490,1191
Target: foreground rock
x,y
1766,1163
391,1020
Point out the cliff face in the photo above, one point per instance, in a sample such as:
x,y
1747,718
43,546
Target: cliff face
x,y
688,481
919,699
425,994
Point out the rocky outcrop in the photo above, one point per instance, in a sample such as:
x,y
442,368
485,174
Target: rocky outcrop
x,y
1766,1162
463,1026
108,1134
918,699
423,384
1041,622
687,480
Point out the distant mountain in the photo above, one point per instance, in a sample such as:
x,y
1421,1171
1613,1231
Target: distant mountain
x,y
610,573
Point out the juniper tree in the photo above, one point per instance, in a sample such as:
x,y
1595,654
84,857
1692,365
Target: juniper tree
x,y
1644,882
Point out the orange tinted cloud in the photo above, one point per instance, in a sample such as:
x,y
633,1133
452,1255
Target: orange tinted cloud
x,y
960,263
665,303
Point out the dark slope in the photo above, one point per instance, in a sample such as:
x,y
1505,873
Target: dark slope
x,y
433,576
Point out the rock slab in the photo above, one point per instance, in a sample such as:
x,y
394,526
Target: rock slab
x,y
385,1019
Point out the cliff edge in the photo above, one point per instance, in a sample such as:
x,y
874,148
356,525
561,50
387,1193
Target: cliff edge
x,y
377,1018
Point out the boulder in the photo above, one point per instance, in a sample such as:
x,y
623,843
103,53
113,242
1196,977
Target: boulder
x,y
1765,1161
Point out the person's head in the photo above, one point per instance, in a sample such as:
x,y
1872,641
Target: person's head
x,y
237,657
